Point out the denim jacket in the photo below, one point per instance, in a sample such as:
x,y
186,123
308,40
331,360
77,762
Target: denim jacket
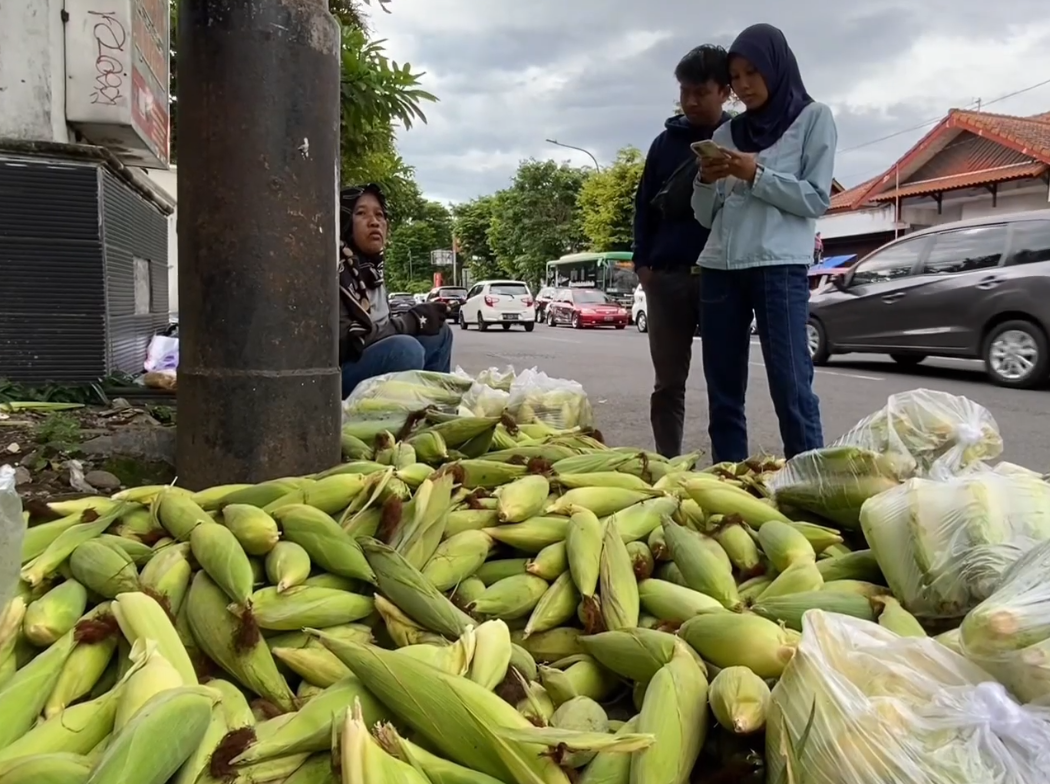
x,y
772,221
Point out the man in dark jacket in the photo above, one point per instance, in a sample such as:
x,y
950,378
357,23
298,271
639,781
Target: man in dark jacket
x,y
668,239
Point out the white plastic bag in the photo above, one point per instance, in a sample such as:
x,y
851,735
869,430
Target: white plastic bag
x,y
944,545
1009,633
557,402
897,710
394,394
162,354
12,531
483,401
931,430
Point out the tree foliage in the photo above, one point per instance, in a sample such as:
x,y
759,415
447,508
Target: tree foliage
x,y
606,202
426,228
473,219
536,218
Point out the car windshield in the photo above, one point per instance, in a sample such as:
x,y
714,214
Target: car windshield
x,y
400,295
509,289
461,293
590,298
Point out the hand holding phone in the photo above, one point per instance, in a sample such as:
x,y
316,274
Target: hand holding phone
x,y
714,161
707,149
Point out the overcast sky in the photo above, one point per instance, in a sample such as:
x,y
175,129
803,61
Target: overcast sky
x,y
598,74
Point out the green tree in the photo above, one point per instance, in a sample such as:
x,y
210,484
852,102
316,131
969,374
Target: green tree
x,y
411,241
607,202
473,219
536,219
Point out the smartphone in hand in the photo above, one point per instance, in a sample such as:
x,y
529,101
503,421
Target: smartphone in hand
x,y
707,149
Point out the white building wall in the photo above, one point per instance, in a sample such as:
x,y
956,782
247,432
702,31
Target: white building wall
x,y
872,220
168,182
32,71
1020,197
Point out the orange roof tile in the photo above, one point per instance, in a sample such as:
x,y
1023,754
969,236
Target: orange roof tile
x,y
844,199
1015,171
1028,135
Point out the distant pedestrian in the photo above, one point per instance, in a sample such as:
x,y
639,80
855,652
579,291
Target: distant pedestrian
x,y
818,249
667,237
761,200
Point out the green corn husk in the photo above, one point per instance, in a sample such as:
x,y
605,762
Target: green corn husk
x,y
859,565
619,586
492,654
354,632
314,663
550,563
419,538
790,609
434,768
329,546
253,528
674,712
75,730
731,639
741,548
457,558
466,592
800,577
402,630
600,501
38,537
820,537
611,767
894,617
702,568
24,695
236,711
858,587
306,605
96,637
55,613
637,522
634,654
642,561
316,770
55,554
532,535
105,569
149,675
783,545
199,762
407,588
47,769
287,565
141,617
521,661
462,520
750,590
583,544
553,645
310,728
522,498
494,571
556,607
229,642
584,678
510,598
455,716
178,716
168,575
739,700
674,603
221,556
140,553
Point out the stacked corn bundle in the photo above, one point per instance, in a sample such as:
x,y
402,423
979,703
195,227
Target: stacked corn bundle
x,y
550,610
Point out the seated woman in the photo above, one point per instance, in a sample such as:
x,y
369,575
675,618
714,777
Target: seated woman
x,y
372,341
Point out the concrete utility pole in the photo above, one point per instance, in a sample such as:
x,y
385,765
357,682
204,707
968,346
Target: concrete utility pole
x,y
258,144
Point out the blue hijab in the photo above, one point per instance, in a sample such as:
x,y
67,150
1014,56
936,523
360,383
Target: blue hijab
x,y
766,48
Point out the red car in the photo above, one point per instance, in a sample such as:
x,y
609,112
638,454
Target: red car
x,y
581,308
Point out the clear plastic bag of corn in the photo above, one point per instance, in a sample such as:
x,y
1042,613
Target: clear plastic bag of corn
x,y
859,703
1008,634
943,546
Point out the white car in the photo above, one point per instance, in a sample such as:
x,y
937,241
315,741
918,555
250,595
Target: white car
x,y
503,302
638,310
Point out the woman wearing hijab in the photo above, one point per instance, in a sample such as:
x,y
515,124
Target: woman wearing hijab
x,y
371,340
761,196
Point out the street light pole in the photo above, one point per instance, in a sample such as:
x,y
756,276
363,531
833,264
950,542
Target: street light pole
x,y
578,149
258,144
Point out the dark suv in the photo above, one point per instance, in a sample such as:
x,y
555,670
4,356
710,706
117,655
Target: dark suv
x,y
976,289
451,296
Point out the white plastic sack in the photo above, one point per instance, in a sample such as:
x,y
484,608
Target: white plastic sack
x,y
897,710
931,430
557,402
396,394
162,354
944,545
12,531
1009,633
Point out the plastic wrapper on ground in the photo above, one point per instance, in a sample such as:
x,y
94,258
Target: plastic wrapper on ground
x,y
1008,634
557,402
932,430
944,546
888,709
835,482
482,400
12,531
412,390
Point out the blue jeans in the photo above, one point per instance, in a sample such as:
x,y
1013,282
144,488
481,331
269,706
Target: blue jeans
x,y
779,299
400,352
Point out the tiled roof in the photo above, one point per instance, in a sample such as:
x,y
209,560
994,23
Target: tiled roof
x,y
950,182
951,157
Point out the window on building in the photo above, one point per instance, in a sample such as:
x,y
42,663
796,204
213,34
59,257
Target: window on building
x,y
143,281
1031,242
966,250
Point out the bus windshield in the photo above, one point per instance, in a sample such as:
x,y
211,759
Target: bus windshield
x,y
589,297
613,277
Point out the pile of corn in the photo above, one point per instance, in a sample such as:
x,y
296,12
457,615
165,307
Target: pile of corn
x,y
548,610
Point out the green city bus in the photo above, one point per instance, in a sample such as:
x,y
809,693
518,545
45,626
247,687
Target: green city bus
x,y
611,273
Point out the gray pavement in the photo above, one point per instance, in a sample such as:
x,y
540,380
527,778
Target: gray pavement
x,y
615,369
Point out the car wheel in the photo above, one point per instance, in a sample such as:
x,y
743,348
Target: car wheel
x,y
529,326
642,322
1015,355
908,360
550,319
462,321
817,341
482,326
576,321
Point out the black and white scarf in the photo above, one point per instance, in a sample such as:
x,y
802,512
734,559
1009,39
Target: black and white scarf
x,y
358,277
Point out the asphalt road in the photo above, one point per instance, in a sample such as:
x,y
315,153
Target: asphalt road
x,y
615,369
